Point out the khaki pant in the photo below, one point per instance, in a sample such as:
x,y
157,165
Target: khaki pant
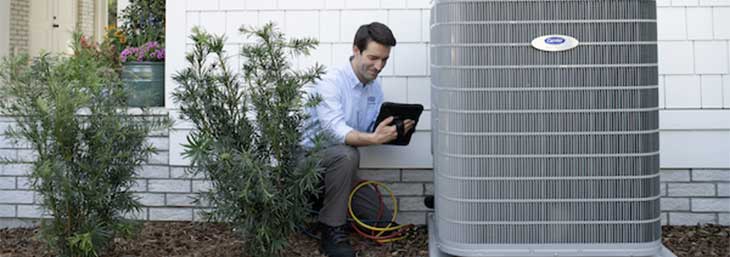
x,y
340,163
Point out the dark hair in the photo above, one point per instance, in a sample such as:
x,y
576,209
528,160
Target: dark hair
x,y
375,31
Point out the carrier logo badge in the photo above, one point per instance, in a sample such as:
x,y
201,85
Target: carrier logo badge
x,y
554,43
554,40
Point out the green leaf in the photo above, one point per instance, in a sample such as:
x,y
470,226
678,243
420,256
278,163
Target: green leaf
x,y
248,127
70,110
83,242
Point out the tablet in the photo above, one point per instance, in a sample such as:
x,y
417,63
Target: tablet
x,y
400,113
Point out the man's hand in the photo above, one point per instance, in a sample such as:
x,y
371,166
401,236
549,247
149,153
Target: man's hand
x,y
408,125
384,133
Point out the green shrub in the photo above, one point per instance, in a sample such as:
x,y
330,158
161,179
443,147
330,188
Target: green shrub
x,y
71,111
247,132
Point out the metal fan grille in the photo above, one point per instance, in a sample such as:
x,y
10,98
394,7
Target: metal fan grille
x,y
534,147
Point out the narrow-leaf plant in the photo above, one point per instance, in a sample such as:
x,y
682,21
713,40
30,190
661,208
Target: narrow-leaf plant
x,y
71,111
248,126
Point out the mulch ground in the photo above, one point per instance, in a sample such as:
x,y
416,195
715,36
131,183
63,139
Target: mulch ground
x,y
204,239
695,241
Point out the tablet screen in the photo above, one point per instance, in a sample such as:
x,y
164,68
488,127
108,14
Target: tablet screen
x,y
400,113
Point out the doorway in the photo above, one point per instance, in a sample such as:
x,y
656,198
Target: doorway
x,y
52,23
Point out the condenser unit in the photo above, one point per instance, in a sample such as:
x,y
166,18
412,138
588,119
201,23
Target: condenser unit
x,y
545,128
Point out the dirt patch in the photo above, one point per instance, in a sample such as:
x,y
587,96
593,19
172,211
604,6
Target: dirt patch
x,y
192,239
691,241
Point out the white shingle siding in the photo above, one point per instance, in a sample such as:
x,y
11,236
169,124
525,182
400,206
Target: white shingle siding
x,y
693,41
334,23
682,91
700,20
711,89
693,65
675,58
694,83
711,57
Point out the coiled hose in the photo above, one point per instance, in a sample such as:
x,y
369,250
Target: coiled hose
x,y
377,234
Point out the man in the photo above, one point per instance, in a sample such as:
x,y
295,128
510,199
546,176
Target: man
x,y
351,98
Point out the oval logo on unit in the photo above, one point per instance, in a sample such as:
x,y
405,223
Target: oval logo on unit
x,y
555,40
554,43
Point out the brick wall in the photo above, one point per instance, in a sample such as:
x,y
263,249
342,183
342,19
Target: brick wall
x,y
19,17
4,27
87,17
689,196
157,184
167,192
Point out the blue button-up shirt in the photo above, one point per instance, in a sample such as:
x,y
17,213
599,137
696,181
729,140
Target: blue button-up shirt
x,y
346,105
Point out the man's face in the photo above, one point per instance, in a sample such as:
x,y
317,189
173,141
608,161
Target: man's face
x,y
369,63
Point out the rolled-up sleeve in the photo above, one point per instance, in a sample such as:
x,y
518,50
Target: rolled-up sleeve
x,y
330,111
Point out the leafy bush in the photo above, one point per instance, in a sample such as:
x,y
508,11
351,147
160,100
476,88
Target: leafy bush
x,y
114,41
71,110
141,37
248,129
143,21
107,50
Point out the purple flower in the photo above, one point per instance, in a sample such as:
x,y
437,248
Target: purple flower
x,y
124,55
160,54
150,51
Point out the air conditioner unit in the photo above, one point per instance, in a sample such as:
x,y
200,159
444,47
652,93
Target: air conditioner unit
x,y
545,128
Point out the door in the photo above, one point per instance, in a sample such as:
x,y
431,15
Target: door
x,y
51,25
66,13
40,25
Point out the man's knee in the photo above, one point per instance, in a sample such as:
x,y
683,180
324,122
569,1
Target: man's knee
x,y
347,154
352,155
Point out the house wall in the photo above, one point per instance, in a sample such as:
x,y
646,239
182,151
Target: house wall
x,y
694,82
87,17
694,101
19,16
101,18
121,4
4,27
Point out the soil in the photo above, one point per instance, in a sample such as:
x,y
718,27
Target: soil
x,y
192,239
692,241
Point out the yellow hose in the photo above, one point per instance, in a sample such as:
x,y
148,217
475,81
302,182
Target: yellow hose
x,y
373,228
